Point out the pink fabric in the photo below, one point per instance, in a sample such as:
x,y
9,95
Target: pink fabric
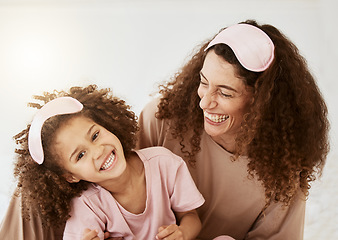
x,y
253,47
169,186
223,237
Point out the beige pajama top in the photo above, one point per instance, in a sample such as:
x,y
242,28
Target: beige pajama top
x,y
233,202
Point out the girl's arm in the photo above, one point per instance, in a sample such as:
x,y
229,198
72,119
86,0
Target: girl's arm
x,y
189,227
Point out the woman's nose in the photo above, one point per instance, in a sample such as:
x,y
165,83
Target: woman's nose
x,y
208,100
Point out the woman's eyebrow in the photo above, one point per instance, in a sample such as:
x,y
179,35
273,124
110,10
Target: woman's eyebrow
x,y
221,85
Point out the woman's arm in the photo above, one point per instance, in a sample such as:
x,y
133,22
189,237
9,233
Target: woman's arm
x,y
15,226
188,228
280,222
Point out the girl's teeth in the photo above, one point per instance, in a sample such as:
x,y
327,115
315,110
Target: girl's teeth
x,y
109,162
216,117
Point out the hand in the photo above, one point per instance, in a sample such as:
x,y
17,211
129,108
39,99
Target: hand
x,y
92,235
106,237
171,232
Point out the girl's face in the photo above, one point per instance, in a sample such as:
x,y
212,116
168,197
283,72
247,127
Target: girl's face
x,y
89,152
224,98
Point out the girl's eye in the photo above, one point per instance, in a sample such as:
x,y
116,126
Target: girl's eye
x,y
81,154
95,136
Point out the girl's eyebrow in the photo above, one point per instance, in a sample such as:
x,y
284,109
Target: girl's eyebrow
x,y
220,86
76,149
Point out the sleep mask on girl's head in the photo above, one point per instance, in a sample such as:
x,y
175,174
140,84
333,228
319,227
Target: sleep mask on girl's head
x,y
58,106
252,46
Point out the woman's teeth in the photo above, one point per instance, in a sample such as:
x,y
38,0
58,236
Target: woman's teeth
x,y
216,117
109,162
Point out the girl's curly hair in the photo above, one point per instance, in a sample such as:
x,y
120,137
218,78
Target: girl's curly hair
x,y
285,132
43,188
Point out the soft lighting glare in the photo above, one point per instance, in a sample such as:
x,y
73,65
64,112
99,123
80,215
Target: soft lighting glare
x,y
29,54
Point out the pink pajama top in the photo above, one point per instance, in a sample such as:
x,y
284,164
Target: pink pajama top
x,y
169,188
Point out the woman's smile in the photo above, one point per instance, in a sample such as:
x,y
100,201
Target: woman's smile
x,y
215,118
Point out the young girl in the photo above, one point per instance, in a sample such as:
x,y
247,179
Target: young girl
x,y
77,163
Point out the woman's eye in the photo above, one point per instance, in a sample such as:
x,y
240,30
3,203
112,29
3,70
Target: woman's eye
x,y
95,136
203,83
225,95
81,154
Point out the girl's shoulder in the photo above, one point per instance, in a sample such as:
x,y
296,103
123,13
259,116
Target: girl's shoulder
x,y
92,198
92,191
160,155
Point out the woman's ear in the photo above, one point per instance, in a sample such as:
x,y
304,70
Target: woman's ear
x,y
71,179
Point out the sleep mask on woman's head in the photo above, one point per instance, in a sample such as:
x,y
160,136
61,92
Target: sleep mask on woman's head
x,y
252,46
58,106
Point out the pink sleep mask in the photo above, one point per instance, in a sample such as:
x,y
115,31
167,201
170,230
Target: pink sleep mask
x,y
252,46
58,106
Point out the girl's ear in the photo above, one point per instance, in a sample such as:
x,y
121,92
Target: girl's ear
x,y
71,179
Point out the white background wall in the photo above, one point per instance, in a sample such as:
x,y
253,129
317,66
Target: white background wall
x,y
131,46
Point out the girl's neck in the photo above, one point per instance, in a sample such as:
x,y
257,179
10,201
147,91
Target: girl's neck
x,y
132,191
130,177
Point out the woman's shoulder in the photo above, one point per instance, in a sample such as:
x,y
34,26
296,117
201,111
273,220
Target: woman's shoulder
x,y
151,107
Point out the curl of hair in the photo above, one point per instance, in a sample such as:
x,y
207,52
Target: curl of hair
x,y
179,102
285,132
43,188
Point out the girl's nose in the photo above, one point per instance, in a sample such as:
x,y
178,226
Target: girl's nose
x,y
208,101
97,151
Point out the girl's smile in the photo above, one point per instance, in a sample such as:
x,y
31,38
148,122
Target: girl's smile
x,y
109,163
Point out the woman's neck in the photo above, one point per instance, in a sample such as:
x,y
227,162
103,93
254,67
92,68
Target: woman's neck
x,y
227,143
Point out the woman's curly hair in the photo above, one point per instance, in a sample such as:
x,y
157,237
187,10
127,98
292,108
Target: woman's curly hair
x,y
285,132
43,188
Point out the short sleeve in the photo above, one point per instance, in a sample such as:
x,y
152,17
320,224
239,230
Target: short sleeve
x,y
82,216
185,195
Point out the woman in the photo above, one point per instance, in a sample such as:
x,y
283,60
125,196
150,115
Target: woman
x,y
247,116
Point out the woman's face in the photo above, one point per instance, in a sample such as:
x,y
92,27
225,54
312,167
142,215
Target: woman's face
x,y
224,98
